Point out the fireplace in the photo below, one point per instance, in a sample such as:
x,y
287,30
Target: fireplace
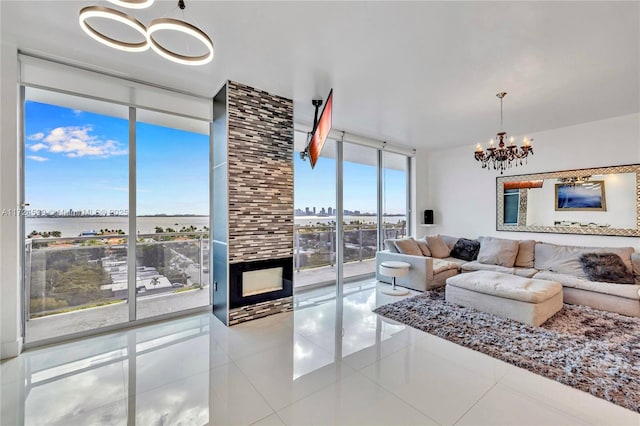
x,y
260,281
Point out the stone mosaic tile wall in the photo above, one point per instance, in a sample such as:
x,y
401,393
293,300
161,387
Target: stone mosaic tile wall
x,y
260,164
259,310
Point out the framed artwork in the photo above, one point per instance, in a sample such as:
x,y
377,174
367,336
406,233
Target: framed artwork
x,y
582,196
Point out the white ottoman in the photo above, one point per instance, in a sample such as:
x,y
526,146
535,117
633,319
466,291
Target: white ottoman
x,y
393,269
526,300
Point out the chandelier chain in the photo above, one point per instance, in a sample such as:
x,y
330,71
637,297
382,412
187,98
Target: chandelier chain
x,y
501,119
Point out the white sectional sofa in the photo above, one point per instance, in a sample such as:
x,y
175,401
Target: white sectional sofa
x,y
539,260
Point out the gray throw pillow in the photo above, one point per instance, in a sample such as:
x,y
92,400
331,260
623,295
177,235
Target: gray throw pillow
x,y
605,267
408,246
498,251
635,262
465,249
390,244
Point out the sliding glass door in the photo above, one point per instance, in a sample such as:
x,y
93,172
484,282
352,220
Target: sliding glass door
x,y
76,184
172,213
315,218
79,175
394,189
360,194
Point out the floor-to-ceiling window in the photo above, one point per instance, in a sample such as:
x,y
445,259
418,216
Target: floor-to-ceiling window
x,y
172,209
394,193
315,219
315,208
76,185
116,205
360,195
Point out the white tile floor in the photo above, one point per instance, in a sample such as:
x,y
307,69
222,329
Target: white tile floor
x,y
286,369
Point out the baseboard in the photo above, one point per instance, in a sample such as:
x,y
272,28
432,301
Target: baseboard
x,y
11,349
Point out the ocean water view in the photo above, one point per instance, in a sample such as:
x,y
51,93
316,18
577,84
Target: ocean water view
x,y
74,226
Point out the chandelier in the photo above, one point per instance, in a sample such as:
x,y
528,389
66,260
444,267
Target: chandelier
x,y
503,156
146,34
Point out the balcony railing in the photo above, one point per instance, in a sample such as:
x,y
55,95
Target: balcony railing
x,y
77,273
315,245
69,274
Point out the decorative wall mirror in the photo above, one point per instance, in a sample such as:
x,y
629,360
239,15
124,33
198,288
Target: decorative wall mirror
x,y
599,201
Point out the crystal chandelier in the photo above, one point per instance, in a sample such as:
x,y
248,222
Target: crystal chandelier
x,y
503,156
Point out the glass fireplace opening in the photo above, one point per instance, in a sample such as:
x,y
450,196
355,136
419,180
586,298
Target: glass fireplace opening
x,y
262,281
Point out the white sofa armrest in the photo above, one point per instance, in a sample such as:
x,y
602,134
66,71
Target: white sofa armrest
x,y
420,269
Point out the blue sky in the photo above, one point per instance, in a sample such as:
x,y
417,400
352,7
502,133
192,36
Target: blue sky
x,y
316,188
79,160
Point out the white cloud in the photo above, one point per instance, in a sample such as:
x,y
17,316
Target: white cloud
x,y
37,146
36,136
77,112
75,142
37,158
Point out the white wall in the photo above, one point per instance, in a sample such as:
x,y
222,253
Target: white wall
x,y
10,241
463,194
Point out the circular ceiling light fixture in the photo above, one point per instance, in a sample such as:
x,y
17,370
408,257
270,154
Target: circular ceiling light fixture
x,y
169,24
133,4
114,15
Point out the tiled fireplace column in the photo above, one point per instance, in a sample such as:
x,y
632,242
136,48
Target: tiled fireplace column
x,y
252,203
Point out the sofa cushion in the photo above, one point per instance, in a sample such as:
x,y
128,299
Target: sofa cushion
x,y
424,247
390,244
564,259
477,266
408,246
635,263
497,251
465,249
526,252
605,267
441,265
457,261
626,291
438,247
507,286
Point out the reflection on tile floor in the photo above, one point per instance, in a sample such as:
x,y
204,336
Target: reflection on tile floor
x,y
285,369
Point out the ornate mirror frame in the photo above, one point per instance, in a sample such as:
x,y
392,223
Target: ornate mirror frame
x,y
580,230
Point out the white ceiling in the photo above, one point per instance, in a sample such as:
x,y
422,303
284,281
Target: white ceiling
x,y
421,74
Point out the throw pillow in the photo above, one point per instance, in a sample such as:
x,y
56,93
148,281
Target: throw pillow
x,y
390,245
605,267
525,256
635,261
498,251
438,247
465,249
422,243
408,246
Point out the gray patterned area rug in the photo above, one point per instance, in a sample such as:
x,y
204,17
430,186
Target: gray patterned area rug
x,y
591,350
